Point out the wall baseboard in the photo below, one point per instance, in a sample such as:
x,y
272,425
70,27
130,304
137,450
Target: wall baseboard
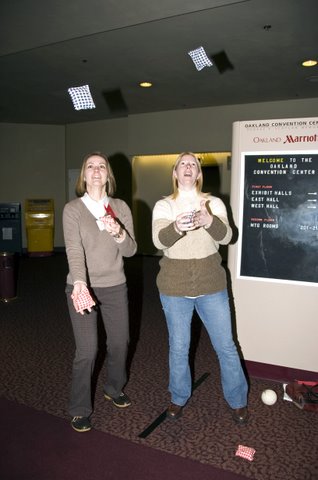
x,y
278,373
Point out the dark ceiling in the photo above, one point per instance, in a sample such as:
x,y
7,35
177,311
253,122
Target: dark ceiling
x,y
111,45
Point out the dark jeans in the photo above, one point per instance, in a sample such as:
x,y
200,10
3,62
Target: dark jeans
x,y
113,306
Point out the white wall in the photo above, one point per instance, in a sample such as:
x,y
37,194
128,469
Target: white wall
x,y
204,129
107,136
32,161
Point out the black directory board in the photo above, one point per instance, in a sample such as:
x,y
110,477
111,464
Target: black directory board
x,y
279,236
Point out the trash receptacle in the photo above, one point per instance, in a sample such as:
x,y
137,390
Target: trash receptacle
x,y
39,222
8,280
10,227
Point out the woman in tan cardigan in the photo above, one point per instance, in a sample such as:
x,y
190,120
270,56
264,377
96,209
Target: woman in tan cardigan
x,y
188,227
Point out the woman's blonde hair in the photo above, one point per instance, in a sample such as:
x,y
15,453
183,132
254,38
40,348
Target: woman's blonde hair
x,y
199,180
80,187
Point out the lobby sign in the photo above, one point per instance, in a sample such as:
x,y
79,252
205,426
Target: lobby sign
x,y
278,211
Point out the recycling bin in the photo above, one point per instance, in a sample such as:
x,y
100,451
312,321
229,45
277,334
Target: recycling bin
x,y
10,227
8,280
39,222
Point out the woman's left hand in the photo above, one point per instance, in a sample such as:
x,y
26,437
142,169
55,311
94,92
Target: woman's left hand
x,y
204,217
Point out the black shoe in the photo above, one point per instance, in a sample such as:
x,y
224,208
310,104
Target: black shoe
x,y
123,401
240,415
81,424
174,411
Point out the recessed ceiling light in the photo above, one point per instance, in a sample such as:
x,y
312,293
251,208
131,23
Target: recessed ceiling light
x,y
81,97
309,63
145,84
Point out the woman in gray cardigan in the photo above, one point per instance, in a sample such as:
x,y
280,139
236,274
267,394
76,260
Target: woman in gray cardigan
x,y
98,233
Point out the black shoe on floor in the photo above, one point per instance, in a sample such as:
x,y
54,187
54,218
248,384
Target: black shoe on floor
x,y
81,424
123,401
240,415
174,411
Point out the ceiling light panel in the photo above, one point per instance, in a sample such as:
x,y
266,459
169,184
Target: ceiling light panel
x,y
200,58
81,97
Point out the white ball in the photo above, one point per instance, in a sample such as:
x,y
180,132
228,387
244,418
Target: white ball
x,y
269,397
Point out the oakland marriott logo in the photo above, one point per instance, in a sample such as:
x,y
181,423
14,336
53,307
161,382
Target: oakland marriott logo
x,y
301,138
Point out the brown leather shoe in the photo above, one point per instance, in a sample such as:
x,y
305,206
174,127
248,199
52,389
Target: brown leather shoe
x,y
174,411
240,415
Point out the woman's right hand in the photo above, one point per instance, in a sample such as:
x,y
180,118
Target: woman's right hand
x,y
185,222
79,287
